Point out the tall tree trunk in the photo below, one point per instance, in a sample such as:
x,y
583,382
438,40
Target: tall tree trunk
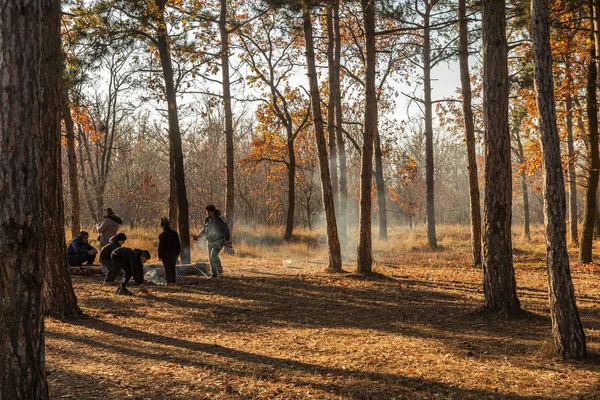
x,y
230,197
380,183
22,240
72,160
331,103
571,169
589,199
341,148
335,256
525,190
567,331
365,254
175,139
429,183
499,284
465,80
173,214
58,296
289,221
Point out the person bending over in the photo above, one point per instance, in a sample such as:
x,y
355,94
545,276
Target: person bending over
x,y
132,262
112,270
80,251
217,234
169,248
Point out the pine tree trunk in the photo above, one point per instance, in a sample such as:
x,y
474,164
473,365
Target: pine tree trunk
x,y
589,199
429,183
72,161
58,296
524,190
289,222
365,254
341,148
22,240
331,103
175,140
567,331
571,169
380,183
230,197
465,80
335,256
173,214
499,284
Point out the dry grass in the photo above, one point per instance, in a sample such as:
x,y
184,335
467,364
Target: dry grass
x,y
273,332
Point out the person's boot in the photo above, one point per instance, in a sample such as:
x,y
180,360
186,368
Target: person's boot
x,y
123,291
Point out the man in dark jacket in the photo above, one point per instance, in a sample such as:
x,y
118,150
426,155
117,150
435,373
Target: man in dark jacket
x,y
108,227
218,234
132,262
112,270
169,248
80,251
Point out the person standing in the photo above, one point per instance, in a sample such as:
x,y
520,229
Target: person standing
x,y
80,251
132,262
111,269
108,227
169,248
217,234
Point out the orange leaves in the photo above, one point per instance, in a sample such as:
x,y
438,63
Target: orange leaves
x,y
82,118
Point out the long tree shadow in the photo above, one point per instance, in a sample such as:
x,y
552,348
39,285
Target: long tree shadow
x,y
387,305
355,383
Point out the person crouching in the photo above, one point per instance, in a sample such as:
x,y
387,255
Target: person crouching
x,y
112,270
80,251
132,262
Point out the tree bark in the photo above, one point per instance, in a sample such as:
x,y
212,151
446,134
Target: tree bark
x,y
331,103
365,254
72,160
58,296
335,256
499,284
589,199
465,80
525,191
380,184
230,196
571,170
341,148
173,214
567,331
289,222
174,137
22,240
429,179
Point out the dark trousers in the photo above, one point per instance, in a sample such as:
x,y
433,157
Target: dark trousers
x,y
214,248
80,259
121,264
113,270
170,263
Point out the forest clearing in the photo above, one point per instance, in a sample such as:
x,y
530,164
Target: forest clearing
x,y
265,330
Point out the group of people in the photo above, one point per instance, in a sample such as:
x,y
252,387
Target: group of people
x,y
115,258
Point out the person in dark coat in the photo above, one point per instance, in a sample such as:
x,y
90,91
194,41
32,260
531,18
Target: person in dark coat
x,y
217,234
80,251
169,248
108,227
132,262
112,270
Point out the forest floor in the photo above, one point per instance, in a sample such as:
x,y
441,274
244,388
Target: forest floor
x,y
271,329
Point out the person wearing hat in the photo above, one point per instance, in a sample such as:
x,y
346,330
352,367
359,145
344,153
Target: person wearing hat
x,y
80,251
108,227
112,270
132,262
217,234
169,248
